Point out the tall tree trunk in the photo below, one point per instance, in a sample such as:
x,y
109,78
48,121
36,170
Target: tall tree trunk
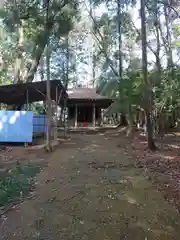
x,y
168,37
36,55
130,120
158,61
48,91
42,68
40,44
123,120
119,12
18,74
92,51
66,82
148,90
169,54
120,67
158,43
93,69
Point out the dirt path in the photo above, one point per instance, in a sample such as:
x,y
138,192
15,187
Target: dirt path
x,y
90,190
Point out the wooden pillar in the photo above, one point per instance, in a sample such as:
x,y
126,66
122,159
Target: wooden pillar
x,y
27,109
65,127
76,113
27,100
56,117
102,116
94,115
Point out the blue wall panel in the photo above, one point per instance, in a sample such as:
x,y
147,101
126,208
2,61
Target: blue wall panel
x,y
39,124
16,126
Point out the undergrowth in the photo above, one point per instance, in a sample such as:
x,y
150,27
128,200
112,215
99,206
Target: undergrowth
x,y
17,183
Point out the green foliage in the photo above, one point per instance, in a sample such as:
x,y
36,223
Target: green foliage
x,y
31,17
17,183
163,38
68,60
37,108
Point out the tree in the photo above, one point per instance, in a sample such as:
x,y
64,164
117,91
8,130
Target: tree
x,y
147,85
152,80
48,89
33,15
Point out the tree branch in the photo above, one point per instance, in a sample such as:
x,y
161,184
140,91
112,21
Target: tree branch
x,y
100,45
171,7
148,44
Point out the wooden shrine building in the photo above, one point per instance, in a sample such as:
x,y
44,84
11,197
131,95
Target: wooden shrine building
x,y
85,107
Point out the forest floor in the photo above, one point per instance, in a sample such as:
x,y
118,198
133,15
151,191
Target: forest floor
x,y
162,167
99,186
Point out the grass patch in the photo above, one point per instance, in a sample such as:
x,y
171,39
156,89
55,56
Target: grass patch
x,y
17,183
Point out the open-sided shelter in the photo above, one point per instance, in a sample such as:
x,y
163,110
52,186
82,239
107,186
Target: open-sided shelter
x,y
25,122
25,93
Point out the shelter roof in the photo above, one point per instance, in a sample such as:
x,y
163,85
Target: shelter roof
x,y
87,96
22,93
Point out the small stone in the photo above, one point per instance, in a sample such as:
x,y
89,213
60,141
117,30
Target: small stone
x,y
47,181
39,223
50,200
3,217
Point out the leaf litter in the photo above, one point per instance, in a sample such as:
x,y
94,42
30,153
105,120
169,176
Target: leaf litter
x,y
162,167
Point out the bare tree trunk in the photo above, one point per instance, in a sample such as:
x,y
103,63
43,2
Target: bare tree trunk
x,y
120,67
65,123
119,38
42,68
49,110
66,83
36,55
18,75
130,121
168,42
123,120
148,91
48,92
158,43
92,52
168,37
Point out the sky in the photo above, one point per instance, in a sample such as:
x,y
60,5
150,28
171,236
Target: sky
x,y
2,2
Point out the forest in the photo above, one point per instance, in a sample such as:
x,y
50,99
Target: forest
x,y
129,50
118,183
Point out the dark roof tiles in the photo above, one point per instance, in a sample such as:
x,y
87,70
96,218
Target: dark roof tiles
x,y
84,93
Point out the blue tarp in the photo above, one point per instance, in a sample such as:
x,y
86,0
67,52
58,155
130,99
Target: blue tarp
x,y
16,126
